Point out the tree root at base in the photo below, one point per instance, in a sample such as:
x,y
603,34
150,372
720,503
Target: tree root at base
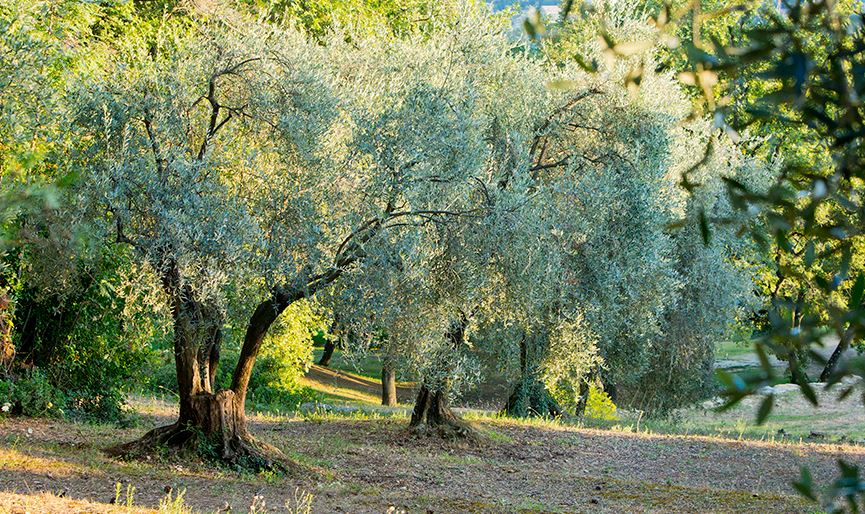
x,y
240,451
452,430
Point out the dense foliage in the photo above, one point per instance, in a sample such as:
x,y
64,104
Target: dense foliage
x,y
787,78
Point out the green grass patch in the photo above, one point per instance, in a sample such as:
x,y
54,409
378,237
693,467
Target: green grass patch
x,y
732,349
367,365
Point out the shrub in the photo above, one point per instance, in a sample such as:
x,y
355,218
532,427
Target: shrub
x,y
31,394
90,334
600,405
275,382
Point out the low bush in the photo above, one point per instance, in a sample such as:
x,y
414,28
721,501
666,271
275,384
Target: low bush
x,y
31,394
599,405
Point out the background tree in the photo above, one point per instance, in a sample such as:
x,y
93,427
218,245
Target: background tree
x,y
809,56
655,303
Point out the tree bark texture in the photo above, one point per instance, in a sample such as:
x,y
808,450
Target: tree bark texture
x,y
388,383
432,415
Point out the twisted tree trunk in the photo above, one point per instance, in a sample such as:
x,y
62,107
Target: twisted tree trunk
x,y
219,417
208,418
432,415
212,422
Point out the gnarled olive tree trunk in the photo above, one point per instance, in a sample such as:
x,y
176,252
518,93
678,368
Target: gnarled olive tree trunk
x,y
432,413
210,421
219,417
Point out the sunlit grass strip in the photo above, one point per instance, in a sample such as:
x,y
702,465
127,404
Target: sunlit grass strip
x,y
14,460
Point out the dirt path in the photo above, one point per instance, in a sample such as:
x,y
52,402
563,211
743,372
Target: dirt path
x,y
350,387
372,465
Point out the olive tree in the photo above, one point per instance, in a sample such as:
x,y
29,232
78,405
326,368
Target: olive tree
x,y
609,161
178,123
426,289
228,153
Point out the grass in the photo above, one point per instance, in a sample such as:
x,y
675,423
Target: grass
x,y
498,437
337,395
366,460
346,381
793,419
367,365
732,350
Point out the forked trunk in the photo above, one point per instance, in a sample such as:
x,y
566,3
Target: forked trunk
x,y
217,420
214,427
388,384
211,423
432,414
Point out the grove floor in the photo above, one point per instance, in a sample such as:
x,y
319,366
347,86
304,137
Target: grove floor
x,y
373,465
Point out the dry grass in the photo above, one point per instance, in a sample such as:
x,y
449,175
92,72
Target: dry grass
x,y
369,465
14,503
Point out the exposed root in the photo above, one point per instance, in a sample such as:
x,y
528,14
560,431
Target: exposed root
x,y
240,451
432,415
452,430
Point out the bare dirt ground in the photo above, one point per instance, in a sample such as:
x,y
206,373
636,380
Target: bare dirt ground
x,y
372,465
